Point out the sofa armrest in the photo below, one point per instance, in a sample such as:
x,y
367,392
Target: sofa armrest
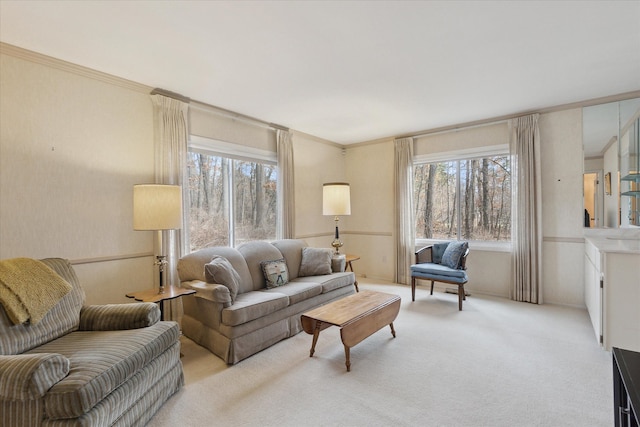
x,y
29,376
112,317
210,291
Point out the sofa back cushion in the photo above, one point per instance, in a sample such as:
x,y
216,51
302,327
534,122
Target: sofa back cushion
x,y
291,250
254,253
191,266
220,271
315,262
63,318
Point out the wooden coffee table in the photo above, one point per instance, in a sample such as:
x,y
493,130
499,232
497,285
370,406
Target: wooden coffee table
x,y
358,316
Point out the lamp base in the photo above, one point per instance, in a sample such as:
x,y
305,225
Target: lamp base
x,y
161,261
336,244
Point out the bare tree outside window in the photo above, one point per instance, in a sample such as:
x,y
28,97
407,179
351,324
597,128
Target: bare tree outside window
x,y
464,199
215,182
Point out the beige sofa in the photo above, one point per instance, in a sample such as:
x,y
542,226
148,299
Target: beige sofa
x,y
97,365
257,317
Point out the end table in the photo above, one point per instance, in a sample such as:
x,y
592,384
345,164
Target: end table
x,y
350,259
152,295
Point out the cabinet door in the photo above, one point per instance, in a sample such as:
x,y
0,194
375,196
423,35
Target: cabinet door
x,y
592,291
622,299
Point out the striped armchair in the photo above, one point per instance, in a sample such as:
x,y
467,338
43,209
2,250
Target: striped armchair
x,y
87,365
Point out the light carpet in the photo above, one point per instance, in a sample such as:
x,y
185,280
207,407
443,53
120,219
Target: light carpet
x,y
496,363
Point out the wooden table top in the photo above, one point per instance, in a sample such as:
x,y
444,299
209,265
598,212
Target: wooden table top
x,y
152,295
351,308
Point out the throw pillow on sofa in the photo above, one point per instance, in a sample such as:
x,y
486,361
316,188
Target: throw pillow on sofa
x,y
275,272
453,254
315,262
219,270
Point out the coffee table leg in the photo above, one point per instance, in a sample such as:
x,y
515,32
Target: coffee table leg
x,y
347,354
393,331
316,332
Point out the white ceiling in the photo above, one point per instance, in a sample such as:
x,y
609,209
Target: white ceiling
x,y
348,71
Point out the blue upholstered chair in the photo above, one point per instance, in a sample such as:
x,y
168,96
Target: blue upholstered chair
x,y
442,262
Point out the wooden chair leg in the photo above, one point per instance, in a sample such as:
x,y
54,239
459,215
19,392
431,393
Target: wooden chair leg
x,y
460,296
413,288
432,287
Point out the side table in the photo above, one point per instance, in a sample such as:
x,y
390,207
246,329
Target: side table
x,y
350,259
152,295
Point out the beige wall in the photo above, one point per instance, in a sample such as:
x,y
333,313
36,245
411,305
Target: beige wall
x,y
562,207
71,148
316,161
370,226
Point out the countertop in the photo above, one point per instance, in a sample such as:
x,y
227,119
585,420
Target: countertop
x,y
615,240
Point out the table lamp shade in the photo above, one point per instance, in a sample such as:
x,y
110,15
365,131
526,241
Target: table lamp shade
x,y
336,199
157,207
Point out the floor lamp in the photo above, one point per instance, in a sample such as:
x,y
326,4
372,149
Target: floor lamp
x,y
336,200
157,207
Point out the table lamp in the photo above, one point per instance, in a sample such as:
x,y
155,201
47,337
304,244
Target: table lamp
x,y
157,207
336,200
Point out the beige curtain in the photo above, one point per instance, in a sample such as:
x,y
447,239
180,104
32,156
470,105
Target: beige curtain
x,y
171,135
404,221
526,218
286,198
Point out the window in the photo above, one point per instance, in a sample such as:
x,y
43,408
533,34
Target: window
x,y
463,199
222,188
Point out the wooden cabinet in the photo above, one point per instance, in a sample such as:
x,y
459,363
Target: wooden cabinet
x,y
626,387
612,293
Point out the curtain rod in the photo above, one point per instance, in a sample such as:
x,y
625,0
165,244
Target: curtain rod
x,y
167,93
236,115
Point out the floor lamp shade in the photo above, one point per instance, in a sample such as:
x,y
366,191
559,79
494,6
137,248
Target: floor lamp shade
x,y
336,199
157,207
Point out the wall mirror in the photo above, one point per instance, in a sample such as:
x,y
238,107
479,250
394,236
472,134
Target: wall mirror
x,y
610,146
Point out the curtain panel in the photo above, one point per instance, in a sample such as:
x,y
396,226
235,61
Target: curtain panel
x,y
286,190
404,221
526,216
171,136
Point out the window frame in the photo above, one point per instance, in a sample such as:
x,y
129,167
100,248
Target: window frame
x,y
458,156
232,153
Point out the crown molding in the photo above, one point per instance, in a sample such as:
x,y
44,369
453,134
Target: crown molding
x,y
49,61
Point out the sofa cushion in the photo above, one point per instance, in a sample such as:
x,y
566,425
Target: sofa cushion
x,y
291,250
219,270
329,282
437,250
315,261
254,253
453,254
100,362
191,266
252,305
439,271
298,291
275,273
